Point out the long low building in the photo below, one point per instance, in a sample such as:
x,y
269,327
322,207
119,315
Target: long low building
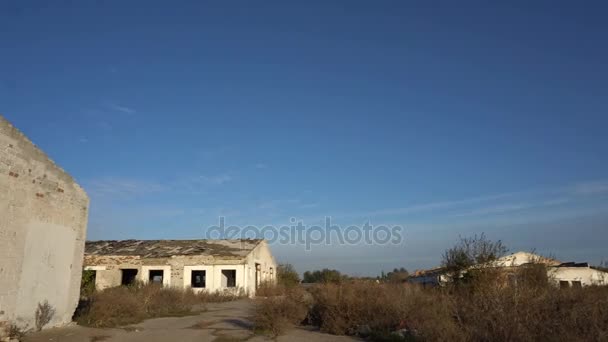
x,y
209,265
568,274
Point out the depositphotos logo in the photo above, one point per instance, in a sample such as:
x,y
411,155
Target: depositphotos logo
x,y
300,234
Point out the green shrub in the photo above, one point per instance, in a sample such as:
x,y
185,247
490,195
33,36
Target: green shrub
x,y
287,276
87,284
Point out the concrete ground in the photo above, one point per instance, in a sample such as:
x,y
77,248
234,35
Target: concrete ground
x,y
220,322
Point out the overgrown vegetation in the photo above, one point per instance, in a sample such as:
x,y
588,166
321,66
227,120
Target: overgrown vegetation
x,y
87,283
126,305
323,276
397,275
16,332
471,251
287,307
287,275
493,304
287,278
483,310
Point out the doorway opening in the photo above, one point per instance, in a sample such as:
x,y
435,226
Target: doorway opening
x,y
258,269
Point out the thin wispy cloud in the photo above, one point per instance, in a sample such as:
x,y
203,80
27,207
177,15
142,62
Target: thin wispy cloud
x,y
123,109
432,206
512,207
261,166
215,151
276,203
104,125
118,187
497,209
556,201
591,188
126,187
308,205
199,184
214,180
493,204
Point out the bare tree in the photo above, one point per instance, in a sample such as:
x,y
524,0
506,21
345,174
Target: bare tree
x,y
471,251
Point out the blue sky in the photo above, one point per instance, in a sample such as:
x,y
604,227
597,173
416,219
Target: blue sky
x,y
448,118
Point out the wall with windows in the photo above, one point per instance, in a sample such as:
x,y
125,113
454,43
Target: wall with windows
x,y
214,277
199,277
577,276
201,273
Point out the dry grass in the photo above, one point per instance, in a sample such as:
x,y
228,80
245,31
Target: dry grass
x,y
16,332
366,308
221,296
268,289
487,308
532,312
126,305
275,314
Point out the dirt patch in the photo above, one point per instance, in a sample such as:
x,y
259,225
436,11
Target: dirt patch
x,y
202,325
99,338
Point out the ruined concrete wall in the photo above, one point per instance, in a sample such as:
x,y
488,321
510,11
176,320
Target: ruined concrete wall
x,y
43,219
261,255
108,268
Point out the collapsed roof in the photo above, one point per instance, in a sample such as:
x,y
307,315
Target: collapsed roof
x,y
168,248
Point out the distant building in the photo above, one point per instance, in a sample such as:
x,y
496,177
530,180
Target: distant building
x,y
577,275
432,277
562,274
203,265
43,223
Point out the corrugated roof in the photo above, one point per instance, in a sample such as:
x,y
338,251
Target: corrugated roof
x,y
168,248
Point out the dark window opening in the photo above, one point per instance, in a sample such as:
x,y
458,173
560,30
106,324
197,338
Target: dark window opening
x,y
564,284
228,278
258,269
156,276
577,284
128,276
198,279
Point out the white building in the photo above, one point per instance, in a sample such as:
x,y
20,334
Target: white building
x,y
577,275
562,274
203,265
